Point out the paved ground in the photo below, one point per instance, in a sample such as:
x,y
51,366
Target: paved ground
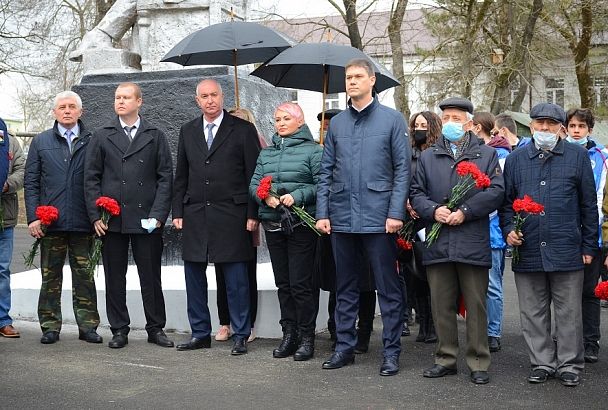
x,y
74,374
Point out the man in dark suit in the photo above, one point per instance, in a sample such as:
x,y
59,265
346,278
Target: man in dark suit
x,y
129,160
216,158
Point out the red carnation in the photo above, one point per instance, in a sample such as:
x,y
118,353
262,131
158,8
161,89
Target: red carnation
x,y
46,214
404,244
601,290
265,187
525,205
482,181
109,204
108,208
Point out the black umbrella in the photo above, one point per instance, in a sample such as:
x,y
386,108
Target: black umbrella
x,y
318,67
232,43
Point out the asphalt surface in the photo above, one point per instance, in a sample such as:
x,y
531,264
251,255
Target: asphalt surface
x,y
72,374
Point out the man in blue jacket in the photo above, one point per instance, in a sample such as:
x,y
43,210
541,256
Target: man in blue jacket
x,y
54,176
579,123
361,196
554,246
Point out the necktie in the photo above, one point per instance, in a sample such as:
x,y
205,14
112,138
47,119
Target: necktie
x,y
128,131
68,137
210,134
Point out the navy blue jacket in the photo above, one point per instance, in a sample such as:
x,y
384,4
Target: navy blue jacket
x,y
435,177
365,170
55,177
561,180
4,143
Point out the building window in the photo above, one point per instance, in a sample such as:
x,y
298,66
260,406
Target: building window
x,y
332,101
600,88
293,96
555,90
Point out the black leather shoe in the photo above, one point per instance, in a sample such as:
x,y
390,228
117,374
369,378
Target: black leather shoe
x,y
405,330
160,338
591,353
50,337
195,343
338,360
118,341
90,337
289,343
480,377
569,379
538,376
494,344
438,371
240,346
390,366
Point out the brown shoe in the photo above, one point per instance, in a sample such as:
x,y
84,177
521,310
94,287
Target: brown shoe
x,y
9,331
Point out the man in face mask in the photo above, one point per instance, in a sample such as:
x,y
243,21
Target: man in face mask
x,y
554,245
458,261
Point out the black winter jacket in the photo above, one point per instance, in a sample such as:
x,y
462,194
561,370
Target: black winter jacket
x,y
435,177
55,177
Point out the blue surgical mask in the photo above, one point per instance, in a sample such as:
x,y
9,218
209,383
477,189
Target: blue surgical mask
x,y
545,140
582,141
452,131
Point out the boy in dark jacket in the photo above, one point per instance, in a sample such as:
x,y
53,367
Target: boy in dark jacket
x,y
54,176
554,246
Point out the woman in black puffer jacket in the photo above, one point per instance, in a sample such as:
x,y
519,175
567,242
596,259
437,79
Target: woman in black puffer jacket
x,y
293,160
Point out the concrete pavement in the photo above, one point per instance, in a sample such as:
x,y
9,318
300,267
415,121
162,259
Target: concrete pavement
x,y
73,374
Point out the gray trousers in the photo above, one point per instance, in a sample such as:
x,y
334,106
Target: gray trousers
x,y
447,281
536,292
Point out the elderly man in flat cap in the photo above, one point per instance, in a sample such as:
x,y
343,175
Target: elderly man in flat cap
x,y
458,261
554,246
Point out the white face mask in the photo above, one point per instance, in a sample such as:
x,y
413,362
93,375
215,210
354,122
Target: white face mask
x,y
545,140
582,141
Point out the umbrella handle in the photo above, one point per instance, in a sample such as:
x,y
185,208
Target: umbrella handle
x,y
236,81
325,81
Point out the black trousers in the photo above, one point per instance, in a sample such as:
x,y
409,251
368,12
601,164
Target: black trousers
x,y
591,304
292,259
223,311
147,251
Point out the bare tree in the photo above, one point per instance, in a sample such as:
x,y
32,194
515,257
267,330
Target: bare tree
x,y
576,23
400,95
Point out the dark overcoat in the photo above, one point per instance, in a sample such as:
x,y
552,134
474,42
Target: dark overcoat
x,y
137,174
211,190
435,177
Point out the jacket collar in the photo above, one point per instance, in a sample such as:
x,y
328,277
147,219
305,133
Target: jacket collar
x,y
471,152
533,151
118,137
366,110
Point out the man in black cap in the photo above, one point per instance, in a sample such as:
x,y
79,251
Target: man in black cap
x,y
554,245
459,260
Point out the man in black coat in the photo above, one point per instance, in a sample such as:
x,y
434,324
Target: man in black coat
x,y
54,176
129,160
459,260
216,158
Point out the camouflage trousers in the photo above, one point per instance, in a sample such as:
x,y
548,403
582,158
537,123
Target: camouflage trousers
x,y
53,249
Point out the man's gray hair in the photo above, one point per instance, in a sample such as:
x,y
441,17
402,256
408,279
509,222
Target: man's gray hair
x,y
361,62
67,94
219,86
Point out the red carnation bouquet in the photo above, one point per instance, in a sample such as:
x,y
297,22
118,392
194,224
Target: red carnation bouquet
x,y
470,176
601,290
525,205
108,208
265,191
46,215
405,236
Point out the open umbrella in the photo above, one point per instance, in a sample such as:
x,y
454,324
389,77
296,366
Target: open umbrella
x,y
231,43
318,67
